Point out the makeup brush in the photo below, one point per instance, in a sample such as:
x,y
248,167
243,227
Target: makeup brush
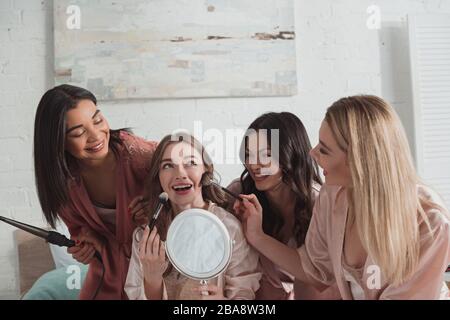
x,y
207,180
163,197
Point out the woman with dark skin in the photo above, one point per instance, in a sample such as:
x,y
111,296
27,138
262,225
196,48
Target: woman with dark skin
x,y
91,177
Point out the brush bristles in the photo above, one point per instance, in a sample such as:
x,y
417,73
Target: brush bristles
x,y
163,197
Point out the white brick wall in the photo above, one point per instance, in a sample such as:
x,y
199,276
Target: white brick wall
x,y
337,55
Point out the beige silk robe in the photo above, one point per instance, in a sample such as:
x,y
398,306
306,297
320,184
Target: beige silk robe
x,y
321,255
239,281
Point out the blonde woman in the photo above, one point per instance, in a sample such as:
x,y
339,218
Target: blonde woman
x,y
376,230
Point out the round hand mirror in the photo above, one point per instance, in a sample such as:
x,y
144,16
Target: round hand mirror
x,y
198,244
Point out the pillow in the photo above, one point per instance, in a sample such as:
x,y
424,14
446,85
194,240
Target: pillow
x,y
59,284
59,254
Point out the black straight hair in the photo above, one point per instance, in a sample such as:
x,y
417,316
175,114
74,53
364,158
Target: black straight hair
x,y
299,171
53,165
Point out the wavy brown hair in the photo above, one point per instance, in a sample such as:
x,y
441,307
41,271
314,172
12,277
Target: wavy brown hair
x,y
299,171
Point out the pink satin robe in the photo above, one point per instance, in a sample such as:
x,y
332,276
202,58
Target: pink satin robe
x,y
131,170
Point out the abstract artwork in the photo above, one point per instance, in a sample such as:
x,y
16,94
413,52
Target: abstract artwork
x,y
139,49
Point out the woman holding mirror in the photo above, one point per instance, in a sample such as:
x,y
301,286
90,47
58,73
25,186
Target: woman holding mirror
x,y
376,230
177,168
87,175
281,173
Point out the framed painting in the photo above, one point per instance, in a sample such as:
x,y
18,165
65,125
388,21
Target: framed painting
x,y
140,49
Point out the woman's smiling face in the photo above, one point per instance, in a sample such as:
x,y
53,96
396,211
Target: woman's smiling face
x,y
180,174
87,134
331,158
261,165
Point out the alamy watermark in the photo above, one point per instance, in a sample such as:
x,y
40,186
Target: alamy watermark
x,y
73,21
73,281
224,147
374,20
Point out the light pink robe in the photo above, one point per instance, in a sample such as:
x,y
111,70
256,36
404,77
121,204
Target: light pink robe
x,y
239,281
321,255
278,285
132,167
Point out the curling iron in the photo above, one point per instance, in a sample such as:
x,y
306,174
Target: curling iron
x,y
52,237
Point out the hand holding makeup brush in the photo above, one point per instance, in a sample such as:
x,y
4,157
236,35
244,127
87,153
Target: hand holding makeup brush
x,y
249,211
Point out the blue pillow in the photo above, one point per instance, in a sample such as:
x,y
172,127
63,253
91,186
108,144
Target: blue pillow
x,y
59,284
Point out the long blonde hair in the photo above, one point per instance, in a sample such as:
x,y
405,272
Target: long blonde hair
x,y
383,198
